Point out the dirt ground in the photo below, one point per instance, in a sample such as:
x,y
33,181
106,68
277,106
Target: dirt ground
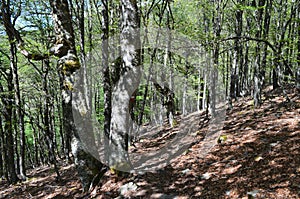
x,y
259,159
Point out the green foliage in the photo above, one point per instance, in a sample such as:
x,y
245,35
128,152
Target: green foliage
x,y
193,20
29,134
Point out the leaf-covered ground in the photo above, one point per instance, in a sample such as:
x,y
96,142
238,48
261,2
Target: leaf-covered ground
x,y
259,159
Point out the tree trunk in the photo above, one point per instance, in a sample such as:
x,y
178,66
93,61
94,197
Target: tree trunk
x,y
1,148
298,51
49,135
214,69
258,76
265,33
87,165
237,55
184,95
8,102
16,141
20,119
9,151
169,104
128,82
106,76
149,77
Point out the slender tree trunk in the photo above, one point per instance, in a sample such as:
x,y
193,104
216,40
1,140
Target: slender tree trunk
x,y
1,148
8,102
184,96
237,57
49,135
16,141
298,51
169,104
35,143
199,89
150,71
204,98
4,151
214,69
258,76
106,75
265,33
8,126
20,118
60,125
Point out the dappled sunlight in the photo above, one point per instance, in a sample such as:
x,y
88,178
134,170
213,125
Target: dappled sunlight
x,y
259,157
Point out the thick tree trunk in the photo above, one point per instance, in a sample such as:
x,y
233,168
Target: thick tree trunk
x,y
87,165
128,82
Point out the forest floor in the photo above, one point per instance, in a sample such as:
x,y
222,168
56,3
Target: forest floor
x,y
259,159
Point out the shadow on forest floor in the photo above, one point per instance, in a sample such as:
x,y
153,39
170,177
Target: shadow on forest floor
x,y
261,157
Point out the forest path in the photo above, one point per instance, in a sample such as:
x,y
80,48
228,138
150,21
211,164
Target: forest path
x,y
261,157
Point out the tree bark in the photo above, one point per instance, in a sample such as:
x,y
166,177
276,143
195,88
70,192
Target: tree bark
x,y
237,56
298,51
106,76
20,118
217,20
1,148
128,82
49,134
8,100
68,64
258,77
9,152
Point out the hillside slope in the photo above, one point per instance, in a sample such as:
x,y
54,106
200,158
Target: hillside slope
x,y
260,158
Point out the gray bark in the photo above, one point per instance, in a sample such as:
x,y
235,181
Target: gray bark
x,y
258,78
214,69
106,75
128,82
87,165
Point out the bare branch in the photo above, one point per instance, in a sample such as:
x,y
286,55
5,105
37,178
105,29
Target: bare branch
x,y
251,39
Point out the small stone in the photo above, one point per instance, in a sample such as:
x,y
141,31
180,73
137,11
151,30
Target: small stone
x,y
129,187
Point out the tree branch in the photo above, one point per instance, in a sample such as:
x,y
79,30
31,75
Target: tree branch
x,y
14,34
285,62
251,39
